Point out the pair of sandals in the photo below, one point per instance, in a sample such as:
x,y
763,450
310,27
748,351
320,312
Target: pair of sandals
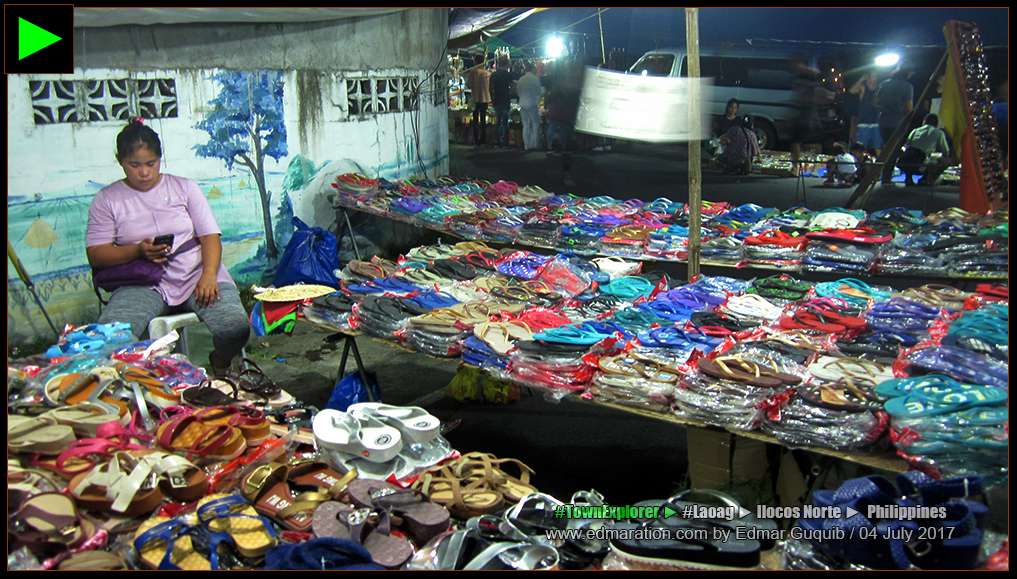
x,y
250,384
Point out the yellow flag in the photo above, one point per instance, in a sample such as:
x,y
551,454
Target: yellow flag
x,y
952,117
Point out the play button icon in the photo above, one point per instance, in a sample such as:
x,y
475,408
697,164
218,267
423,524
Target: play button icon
x,y
32,39
39,39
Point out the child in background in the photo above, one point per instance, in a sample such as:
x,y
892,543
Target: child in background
x,y
863,159
841,167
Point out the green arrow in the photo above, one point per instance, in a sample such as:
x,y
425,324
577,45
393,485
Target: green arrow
x,y
32,39
668,512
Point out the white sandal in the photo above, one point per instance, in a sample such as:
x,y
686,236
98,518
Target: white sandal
x,y
416,424
359,436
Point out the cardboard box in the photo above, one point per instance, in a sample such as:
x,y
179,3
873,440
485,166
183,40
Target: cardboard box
x,y
717,457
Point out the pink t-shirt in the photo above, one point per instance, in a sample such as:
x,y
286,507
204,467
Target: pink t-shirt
x,y
124,216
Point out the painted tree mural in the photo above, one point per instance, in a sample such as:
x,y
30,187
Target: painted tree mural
x,y
245,126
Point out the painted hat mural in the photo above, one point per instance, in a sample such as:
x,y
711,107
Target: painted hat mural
x,y
40,234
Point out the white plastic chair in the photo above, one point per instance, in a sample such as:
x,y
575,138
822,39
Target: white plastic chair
x,y
163,325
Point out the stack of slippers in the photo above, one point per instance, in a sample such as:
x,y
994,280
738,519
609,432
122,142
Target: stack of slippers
x,y
381,440
357,271
731,389
640,379
840,408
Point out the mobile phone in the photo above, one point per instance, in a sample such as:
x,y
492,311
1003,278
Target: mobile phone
x,y
163,240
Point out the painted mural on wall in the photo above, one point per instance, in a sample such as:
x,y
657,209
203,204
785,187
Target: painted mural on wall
x,y
225,130
245,126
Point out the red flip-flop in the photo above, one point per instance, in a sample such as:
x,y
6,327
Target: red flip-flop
x,y
806,320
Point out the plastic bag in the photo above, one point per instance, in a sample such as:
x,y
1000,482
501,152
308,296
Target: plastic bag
x,y
310,257
352,390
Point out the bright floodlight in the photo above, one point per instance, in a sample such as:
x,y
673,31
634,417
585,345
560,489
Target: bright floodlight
x,y
888,59
554,47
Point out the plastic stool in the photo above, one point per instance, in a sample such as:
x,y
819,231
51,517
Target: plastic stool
x,y
163,325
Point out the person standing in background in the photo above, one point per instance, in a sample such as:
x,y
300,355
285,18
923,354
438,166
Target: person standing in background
x,y
867,128
501,97
529,91
479,83
895,98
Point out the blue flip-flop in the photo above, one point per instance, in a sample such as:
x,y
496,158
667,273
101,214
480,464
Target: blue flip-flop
x,y
933,400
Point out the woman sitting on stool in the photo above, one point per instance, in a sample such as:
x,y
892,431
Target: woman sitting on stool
x,y
741,146
125,219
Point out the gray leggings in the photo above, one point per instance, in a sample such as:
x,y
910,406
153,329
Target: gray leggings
x,y
226,318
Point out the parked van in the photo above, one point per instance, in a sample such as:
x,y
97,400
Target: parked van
x,y
763,81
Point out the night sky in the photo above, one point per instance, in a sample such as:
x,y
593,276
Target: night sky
x,y
642,29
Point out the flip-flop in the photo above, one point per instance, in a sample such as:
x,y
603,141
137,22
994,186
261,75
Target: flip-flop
x,y
833,369
231,514
737,369
932,400
501,336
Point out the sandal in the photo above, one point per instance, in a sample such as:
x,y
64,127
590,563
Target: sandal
x,y
124,485
415,424
422,519
48,524
488,466
463,497
163,543
259,386
340,521
251,421
187,433
232,515
37,434
208,394
268,490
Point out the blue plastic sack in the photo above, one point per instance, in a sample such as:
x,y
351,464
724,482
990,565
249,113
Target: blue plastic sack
x,y
310,257
351,390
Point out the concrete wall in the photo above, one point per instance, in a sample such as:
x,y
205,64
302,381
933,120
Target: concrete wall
x,y
56,167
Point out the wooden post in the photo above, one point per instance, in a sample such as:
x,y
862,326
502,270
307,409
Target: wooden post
x,y
695,148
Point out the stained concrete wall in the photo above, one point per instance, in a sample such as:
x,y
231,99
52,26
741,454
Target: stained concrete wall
x,y
413,38
55,169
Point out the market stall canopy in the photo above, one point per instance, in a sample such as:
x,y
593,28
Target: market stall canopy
x,y
471,26
99,17
494,43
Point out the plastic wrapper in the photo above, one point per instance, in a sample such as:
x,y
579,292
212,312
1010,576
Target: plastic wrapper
x,y
721,402
98,339
440,344
632,391
957,444
339,320
802,424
